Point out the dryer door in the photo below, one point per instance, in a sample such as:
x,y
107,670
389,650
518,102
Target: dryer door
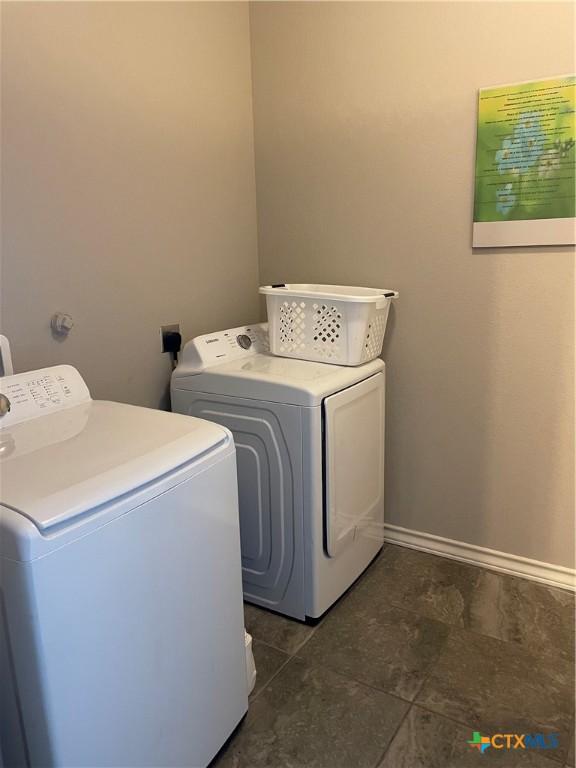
x,y
354,463
268,439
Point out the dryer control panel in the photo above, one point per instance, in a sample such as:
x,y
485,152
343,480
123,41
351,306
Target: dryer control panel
x,y
221,347
24,396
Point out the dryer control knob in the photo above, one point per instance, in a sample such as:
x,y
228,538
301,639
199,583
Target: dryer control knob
x,y
244,341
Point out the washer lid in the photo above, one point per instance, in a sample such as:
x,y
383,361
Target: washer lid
x,y
275,379
56,467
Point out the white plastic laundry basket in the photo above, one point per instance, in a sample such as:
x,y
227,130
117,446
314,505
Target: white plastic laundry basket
x,y
336,324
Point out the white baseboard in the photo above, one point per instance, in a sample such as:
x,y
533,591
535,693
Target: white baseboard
x,y
547,573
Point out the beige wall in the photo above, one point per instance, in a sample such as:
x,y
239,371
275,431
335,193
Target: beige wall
x,y
365,130
128,201
128,183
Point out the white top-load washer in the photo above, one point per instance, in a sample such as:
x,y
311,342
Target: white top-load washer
x,y
121,625
310,452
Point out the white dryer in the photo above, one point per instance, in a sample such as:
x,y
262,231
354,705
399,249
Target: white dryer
x,y
121,624
310,452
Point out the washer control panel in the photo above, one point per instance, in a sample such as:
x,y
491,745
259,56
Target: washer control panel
x,y
37,393
214,348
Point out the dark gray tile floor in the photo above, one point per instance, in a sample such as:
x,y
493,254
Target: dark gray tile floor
x,y
420,653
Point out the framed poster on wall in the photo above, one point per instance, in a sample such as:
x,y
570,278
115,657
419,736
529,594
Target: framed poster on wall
x,y
525,164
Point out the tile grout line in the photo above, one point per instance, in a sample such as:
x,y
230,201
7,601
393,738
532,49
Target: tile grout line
x,y
310,636
436,661
274,676
283,650
346,675
512,643
375,687
396,731
265,642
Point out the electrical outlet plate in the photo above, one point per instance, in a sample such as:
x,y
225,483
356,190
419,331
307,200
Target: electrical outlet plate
x,y
164,329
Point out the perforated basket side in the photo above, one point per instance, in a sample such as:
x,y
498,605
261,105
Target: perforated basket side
x,y
328,331
375,334
291,326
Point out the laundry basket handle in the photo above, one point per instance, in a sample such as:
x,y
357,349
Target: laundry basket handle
x,y
381,303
